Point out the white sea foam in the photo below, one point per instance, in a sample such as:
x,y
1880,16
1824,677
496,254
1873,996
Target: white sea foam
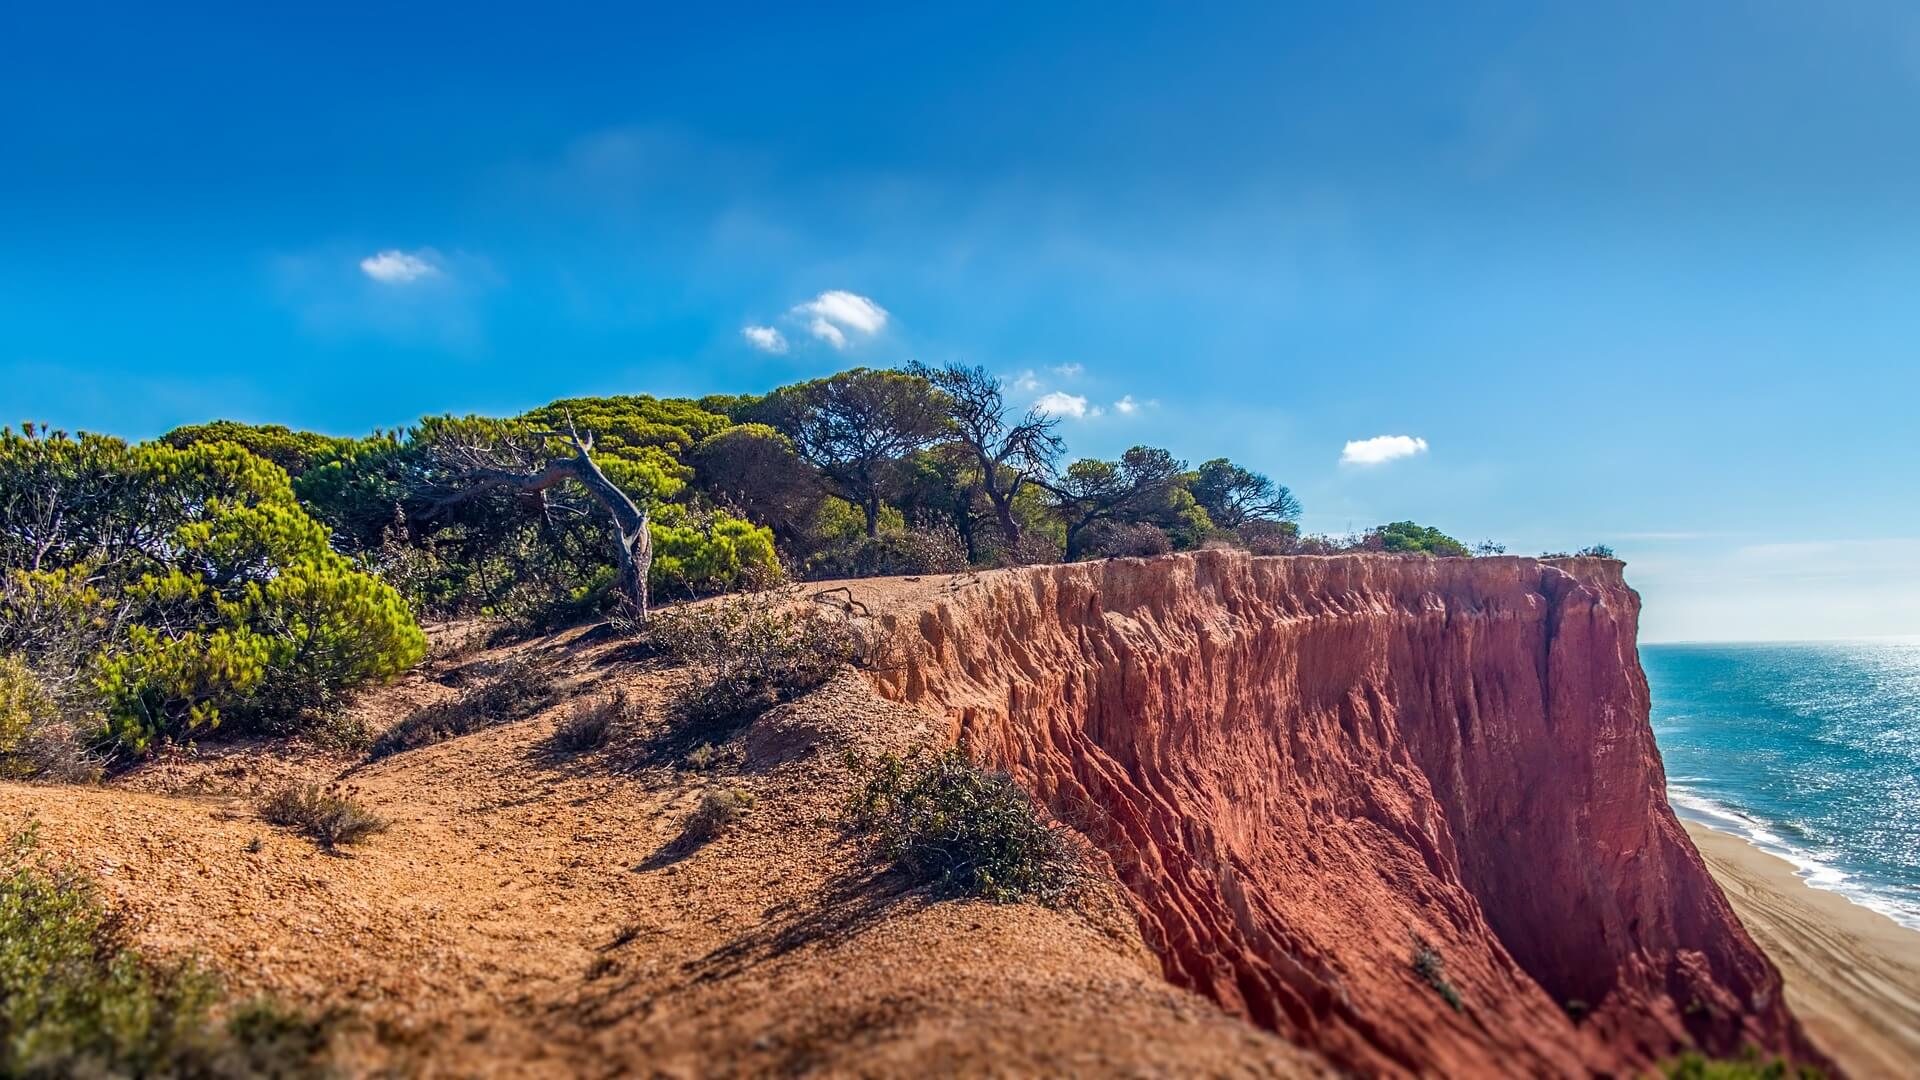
x,y
1817,873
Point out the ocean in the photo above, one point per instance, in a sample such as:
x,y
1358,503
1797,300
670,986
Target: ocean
x,y
1809,750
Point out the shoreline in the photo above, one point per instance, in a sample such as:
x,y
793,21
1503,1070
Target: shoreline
x,y
1852,974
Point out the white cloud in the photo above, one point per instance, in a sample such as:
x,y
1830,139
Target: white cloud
x,y
828,333
837,313
1068,371
1026,382
1060,403
396,267
1381,449
1127,406
765,338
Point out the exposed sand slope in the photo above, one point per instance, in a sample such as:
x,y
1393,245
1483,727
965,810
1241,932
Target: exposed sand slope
x,y
530,914
1852,975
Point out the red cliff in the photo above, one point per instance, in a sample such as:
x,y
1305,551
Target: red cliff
x,y
1306,771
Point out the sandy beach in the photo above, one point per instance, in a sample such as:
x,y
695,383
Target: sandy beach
x,y
1852,974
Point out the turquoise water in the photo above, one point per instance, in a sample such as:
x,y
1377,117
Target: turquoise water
x,y
1811,751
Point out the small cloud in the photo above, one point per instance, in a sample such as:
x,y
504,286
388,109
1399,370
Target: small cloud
x,y
765,338
1127,406
828,333
1064,404
836,313
1381,449
1068,371
1026,382
396,267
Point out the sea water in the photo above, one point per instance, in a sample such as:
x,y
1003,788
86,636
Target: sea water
x,y
1809,751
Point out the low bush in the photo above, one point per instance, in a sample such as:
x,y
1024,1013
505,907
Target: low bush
x,y
327,814
945,822
922,549
749,654
1693,1066
513,690
1430,966
719,809
77,999
1125,539
38,741
588,724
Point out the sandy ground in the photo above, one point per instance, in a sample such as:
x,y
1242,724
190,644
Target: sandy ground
x,y
539,913
1853,975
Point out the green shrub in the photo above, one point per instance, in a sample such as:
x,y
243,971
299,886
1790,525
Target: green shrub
x,y
697,554
1407,538
210,592
513,690
37,740
945,822
927,549
749,654
77,999
1431,967
327,814
719,809
1751,1066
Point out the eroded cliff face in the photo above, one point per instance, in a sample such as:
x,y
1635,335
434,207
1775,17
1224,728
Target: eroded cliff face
x,y
1305,770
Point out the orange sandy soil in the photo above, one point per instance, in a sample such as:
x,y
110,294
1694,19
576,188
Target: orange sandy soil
x,y
531,912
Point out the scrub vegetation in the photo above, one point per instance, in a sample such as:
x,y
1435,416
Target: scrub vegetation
x,y
232,579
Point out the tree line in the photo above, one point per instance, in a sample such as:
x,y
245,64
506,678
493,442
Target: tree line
x,y
248,576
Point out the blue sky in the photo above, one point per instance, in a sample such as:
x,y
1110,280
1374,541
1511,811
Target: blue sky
x,y
1627,273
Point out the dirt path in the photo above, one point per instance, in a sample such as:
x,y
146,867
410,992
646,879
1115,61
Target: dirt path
x,y
532,912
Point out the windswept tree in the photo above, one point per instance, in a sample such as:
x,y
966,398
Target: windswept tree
x,y
474,458
1232,495
1009,453
855,426
1146,484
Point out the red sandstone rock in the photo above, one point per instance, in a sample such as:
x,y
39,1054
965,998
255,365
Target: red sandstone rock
x,y
1299,767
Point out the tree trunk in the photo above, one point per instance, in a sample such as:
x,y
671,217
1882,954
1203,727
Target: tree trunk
x,y
872,508
634,540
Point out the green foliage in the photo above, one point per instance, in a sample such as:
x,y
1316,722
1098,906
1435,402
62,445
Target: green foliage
x,y
213,591
927,549
1147,485
1232,496
24,705
1693,1066
855,426
695,554
294,451
327,814
1428,964
638,441
719,809
945,822
1405,537
77,999
749,654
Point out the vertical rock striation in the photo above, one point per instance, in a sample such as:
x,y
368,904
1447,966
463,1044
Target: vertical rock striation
x,y
1307,772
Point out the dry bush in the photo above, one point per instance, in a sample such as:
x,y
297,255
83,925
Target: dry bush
x,y
922,549
39,739
750,654
719,809
588,724
1126,539
511,691
327,814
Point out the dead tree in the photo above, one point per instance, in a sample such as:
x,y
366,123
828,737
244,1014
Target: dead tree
x,y
478,468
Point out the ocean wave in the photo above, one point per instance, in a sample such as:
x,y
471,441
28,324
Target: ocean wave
x,y
1809,866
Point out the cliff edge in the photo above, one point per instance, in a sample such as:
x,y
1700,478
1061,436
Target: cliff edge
x,y
1405,812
